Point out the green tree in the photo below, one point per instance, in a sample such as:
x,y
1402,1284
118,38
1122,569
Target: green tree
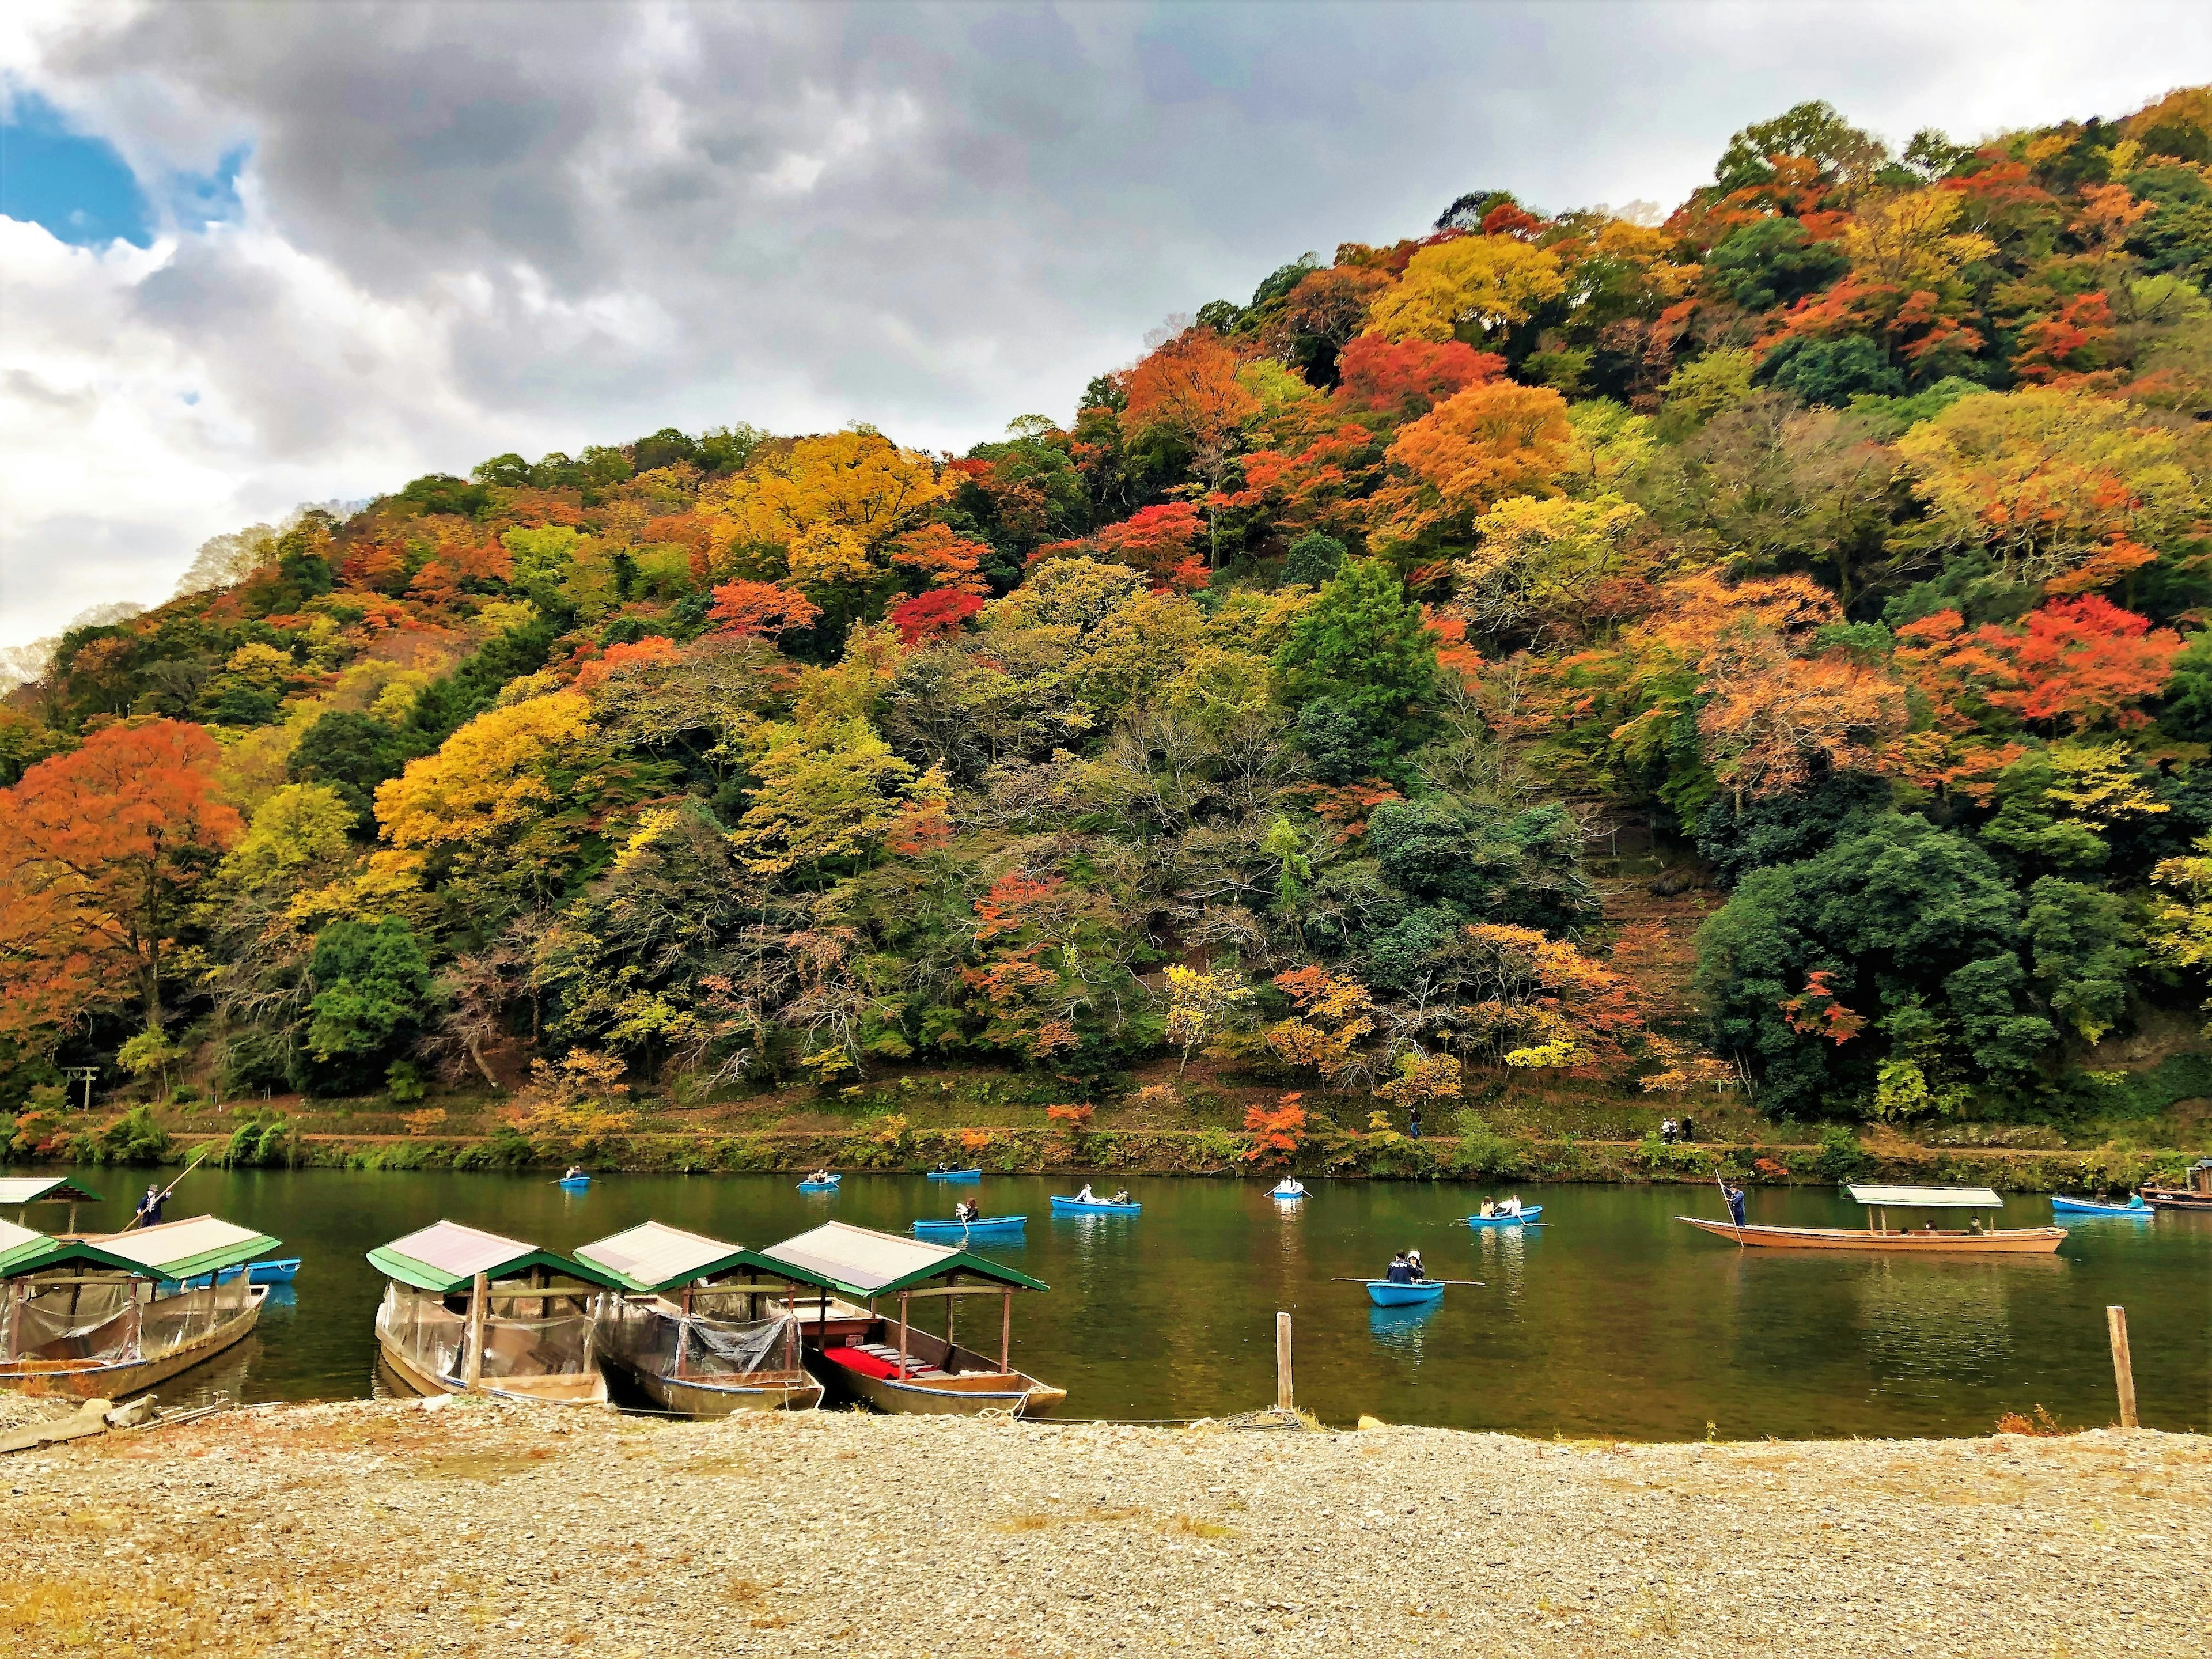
x,y
352,754
371,982
1361,645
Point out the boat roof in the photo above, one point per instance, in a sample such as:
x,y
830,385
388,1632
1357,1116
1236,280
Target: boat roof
x,y
654,1256
181,1249
24,1252
44,1189
1928,1198
860,1262
20,1243
447,1255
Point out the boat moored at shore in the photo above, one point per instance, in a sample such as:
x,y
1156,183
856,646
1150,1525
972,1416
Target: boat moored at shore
x,y
2195,1192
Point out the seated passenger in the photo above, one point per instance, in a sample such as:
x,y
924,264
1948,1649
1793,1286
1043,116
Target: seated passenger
x,y
1086,1196
1122,1195
1414,1267
1401,1271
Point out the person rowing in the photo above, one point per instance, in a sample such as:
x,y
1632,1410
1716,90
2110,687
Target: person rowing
x,y
1512,1206
574,1171
821,1177
1289,1187
965,1212
1489,1208
1086,1196
1122,1195
1401,1271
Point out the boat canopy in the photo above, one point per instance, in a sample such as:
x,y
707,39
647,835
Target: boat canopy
x,y
185,1250
857,1261
653,1256
20,1245
43,1189
1927,1197
447,1256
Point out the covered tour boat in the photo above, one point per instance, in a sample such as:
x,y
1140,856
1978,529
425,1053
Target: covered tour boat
x,y
885,1360
1877,1234
19,1193
99,1317
701,1327
2195,1192
466,1311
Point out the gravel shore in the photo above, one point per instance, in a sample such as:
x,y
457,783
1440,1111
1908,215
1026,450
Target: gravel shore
x,y
378,1527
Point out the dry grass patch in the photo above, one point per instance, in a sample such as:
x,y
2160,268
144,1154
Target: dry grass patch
x,y
490,1467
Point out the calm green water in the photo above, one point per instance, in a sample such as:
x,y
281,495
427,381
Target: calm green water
x,y
1609,1319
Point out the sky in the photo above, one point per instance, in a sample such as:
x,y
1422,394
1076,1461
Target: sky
x,y
260,255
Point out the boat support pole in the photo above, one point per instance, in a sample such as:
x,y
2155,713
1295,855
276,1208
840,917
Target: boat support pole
x,y
473,1369
903,1297
2124,1367
1006,1333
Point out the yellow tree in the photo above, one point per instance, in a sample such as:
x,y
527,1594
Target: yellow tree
x,y
1198,1000
821,512
1481,282
826,791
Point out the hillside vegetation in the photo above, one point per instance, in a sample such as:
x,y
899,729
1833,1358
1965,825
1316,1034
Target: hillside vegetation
x,y
1843,540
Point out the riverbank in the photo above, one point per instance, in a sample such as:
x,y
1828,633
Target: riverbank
x,y
489,1531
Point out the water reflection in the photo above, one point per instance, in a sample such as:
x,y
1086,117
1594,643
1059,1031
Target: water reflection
x,y
1401,1330
1940,1319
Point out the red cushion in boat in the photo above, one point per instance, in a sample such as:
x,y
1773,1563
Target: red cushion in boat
x,y
866,1364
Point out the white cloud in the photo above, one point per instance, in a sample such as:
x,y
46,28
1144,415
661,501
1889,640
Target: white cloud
x,y
466,229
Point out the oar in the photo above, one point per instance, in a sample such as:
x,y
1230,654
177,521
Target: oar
x,y
1477,1283
173,1185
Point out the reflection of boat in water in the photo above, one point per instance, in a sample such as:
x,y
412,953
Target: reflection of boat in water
x,y
886,1362
106,1315
1931,1240
1402,1329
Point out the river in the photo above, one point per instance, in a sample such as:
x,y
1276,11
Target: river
x,y
1611,1319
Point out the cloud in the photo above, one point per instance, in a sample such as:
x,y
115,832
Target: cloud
x,y
441,232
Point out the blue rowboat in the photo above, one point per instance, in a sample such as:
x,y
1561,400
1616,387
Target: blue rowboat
x,y
2134,1207
1288,1194
1095,1207
272,1272
1384,1294
829,1186
954,1174
1528,1214
989,1223
575,1183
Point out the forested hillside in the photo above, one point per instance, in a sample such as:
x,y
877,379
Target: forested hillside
x,y
1847,533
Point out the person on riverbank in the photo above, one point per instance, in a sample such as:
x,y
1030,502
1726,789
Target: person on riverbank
x,y
1685,1131
1414,1124
1666,1131
1401,1271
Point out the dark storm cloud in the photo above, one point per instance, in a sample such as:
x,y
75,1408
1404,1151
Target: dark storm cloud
x,y
472,228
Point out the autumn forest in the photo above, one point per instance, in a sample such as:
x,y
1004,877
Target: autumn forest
x,y
1841,545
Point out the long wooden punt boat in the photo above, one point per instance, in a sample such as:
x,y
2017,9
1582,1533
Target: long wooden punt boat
x,y
1930,1240
701,1327
99,1317
888,1362
2195,1194
466,1311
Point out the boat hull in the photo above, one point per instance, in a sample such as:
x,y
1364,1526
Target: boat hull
x,y
575,1183
998,1226
2176,1197
2082,1206
965,1395
2015,1241
64,1379
1384,1294
1528,1214
818,1186
954,1174
584,1388
1073,1206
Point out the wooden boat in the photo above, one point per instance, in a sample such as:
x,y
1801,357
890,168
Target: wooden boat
x,y
1093,1206
829,1186
701,1327
1000,1224
2134,1206
1288,1191
1876,1235
1530,1213
466,1311
1384,1294
886,1361
103,1316
954,1174
2196,1193
575,1183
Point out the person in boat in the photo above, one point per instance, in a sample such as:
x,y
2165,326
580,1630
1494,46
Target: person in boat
x,y
1086,1196
1735,1196
1120,1195
150,1207
1414,1265
1401,1271
1489,1208
819,1178
574,1169
1930,1227
1512,1206
1290,1186
965,1212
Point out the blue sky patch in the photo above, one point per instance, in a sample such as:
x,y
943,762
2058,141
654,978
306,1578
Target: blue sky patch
x,y
79,187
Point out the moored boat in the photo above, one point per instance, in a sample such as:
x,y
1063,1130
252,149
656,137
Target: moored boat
x,y
1503,1219
887,1361
1387,1293
99,1317
1001,1225
2135,1207
1093,1206
465,1312
1930,1240
701,1327
2195,1192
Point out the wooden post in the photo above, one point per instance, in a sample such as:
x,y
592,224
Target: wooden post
x,y
472,1364
1006,1335
2124,1369
1283,1363
683,1333
902,1336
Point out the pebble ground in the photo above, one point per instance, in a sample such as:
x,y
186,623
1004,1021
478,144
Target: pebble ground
x,y
378,1527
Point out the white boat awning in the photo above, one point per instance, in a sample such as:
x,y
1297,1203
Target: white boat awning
x,y
1927,1197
